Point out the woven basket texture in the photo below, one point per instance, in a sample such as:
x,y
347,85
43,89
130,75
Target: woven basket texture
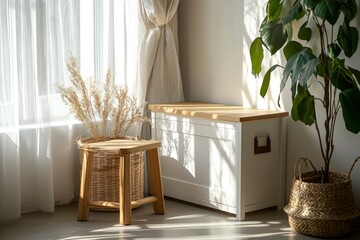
x,y
105,177
321,209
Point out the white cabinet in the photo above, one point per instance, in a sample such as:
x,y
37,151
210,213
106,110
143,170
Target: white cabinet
x,y
208,155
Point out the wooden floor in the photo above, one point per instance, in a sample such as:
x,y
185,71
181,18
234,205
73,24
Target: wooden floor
x,y
181,221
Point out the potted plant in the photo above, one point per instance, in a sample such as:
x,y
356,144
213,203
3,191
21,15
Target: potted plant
x,y
324,38
107,112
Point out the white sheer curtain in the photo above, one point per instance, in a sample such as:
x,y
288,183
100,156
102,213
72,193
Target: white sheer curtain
x,y
110,33
35,36
159,71
38,158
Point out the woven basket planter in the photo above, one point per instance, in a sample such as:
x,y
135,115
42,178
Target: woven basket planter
x,y
105,176
321,209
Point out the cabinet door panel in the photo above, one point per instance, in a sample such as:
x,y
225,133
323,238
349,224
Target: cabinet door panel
x,y
198,163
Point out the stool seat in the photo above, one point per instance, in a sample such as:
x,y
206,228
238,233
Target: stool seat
x,y
124,148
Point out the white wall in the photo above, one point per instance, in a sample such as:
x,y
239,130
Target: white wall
x,y
214,38
211,63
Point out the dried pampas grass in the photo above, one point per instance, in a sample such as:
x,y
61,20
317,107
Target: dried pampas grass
x,y
106,111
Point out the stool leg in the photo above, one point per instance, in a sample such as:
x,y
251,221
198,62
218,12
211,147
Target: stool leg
x,y
85,187
155,180
125,190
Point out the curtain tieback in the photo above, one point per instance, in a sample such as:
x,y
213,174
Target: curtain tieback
x,y
156,26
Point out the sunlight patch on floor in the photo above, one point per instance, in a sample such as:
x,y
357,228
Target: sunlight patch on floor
x,y
206,224
100,236
116,228
191,216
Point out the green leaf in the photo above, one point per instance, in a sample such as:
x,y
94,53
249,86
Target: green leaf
x,y
348,39
291,48
301,14
257,55
341,77
289,31
303,108
298,69
320,70
349,8
305,32
274,8
350,103
328,10
288,69
294,12
266,81
264,22
310,4
307,71
273,35
334,50
294,67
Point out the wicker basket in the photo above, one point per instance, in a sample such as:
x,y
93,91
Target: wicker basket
x,y
105,176
321,209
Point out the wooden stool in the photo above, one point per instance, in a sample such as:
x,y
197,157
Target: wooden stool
x,y
124,148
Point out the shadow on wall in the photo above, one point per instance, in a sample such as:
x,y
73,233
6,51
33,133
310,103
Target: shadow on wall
x,y
254,12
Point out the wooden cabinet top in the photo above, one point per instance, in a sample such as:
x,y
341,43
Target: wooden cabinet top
x,y
216,111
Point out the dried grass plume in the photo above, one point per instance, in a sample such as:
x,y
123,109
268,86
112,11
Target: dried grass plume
x,y
105,111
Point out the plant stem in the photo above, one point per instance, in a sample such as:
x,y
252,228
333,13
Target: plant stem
x,y
327,102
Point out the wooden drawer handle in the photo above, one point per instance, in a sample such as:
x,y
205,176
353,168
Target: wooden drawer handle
x,y
262,149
